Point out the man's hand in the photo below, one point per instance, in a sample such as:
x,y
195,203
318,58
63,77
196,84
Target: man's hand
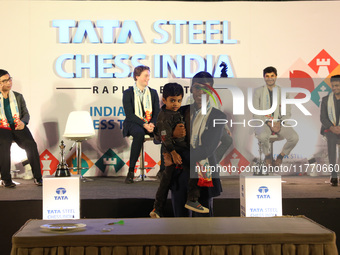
x,y
20,125
335,129
275,126
179,131
149,127
167,159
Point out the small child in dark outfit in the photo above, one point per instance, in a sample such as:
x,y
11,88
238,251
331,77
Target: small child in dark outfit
x,y
167,120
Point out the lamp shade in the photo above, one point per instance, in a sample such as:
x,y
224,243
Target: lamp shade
x,y
79,126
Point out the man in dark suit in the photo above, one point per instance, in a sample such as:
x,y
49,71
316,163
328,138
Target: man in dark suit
x,y
141,106
329,117
13,127
202,148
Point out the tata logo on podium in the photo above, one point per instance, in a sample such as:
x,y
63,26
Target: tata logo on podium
x,y
263,190
260,196
60,191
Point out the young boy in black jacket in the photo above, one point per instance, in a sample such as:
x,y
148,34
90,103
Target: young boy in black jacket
x,y
167,120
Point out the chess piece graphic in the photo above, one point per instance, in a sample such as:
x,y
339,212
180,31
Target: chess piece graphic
x,y
224,70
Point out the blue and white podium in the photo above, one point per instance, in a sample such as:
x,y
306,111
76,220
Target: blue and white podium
x,y
61,197
260,196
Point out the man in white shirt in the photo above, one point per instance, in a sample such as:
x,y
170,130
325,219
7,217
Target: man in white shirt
x,y
263,100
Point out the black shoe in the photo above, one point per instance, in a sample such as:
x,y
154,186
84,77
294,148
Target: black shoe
x,y
334,182
38,182
129,178
9,184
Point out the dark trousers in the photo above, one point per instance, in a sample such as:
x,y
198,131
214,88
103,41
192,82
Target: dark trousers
x,y
331,144
162,166
166,182
25,140
179,194
164,187
226,142
138,133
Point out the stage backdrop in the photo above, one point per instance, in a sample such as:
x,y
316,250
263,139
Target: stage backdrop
x,y
79,55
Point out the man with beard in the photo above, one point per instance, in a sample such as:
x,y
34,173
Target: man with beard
x,y
329,117
263,100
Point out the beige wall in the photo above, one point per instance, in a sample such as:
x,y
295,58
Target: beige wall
x,y
267,33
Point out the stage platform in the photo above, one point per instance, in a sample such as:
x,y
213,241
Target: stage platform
x,y
110,197
115,188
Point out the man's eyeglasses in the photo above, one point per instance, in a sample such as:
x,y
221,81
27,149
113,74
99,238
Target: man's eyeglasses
x,y
7,80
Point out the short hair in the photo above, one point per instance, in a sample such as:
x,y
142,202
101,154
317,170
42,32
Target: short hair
x,y
172,89
203,78
3,72
138,71
335,78
269,69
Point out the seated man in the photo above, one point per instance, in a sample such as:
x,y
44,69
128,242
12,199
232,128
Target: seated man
x,y
263,100
14,118
329,117
141,107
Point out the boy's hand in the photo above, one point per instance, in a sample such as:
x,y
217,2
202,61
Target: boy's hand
x,y
176,158
167,159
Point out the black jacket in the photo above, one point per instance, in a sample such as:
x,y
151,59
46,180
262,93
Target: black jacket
x,y
23,112
166,122
129,109
325,121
